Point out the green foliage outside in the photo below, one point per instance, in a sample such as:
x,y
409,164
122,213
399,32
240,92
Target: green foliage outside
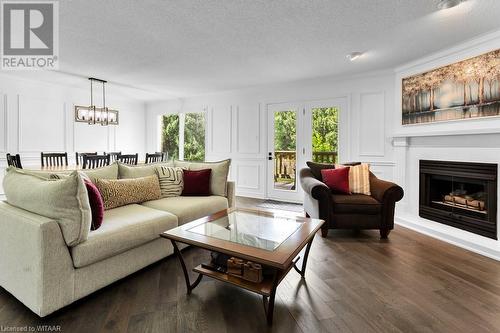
x,y
325,129
194,137
170,135
285,131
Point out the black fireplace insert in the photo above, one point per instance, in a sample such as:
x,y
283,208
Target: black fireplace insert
x,y
460,194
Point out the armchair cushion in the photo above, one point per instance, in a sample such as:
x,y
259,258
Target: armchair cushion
x,y
337,180
317,167
355,204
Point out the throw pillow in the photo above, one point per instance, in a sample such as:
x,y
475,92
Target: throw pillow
x,y
121,192
96,205
107,172
130,171
171,181
317,167
196,182
220,172
359,178
64,200
337,179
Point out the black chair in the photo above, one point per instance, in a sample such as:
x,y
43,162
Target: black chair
x,y
79,157
128,159
113,155
14,160
95,161
154,158
54,159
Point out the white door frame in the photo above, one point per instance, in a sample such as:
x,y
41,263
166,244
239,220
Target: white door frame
x,y
304,140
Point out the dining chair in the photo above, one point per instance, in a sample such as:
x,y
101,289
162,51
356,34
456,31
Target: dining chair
x,y
54,159
94,161
113,155
14,160
128,159
79,157
154,157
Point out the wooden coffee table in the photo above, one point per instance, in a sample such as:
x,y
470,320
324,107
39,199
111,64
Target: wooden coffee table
x,y
266,238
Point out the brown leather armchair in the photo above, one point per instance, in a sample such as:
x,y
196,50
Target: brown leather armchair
x,y
355,211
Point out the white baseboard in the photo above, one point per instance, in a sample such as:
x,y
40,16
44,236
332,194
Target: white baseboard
x,y
415,224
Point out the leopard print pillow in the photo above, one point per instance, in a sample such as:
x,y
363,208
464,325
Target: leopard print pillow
x,y
121,192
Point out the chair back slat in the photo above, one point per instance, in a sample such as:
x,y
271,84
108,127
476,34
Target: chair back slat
x,y
95,161
79,157
14,160
155,157
128,159
54,159
113,155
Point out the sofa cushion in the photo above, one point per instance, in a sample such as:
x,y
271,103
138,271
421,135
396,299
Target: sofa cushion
x,y
129,171
171,181
107,172
123,228
96,204
64,200
121,192
196,183
220,172
188,209
355,204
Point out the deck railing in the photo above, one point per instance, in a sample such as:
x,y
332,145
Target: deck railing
x,y
285,161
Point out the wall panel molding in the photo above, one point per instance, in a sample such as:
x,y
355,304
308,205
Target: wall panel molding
x,y
372,124
224,118
248,131
46,127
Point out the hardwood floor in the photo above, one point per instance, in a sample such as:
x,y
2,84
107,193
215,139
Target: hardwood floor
x,y
355,282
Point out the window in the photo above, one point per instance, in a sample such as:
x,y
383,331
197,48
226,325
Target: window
x,y
183,136
325,135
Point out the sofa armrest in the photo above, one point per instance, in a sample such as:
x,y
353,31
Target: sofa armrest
x,y
231,194
35,263
384,191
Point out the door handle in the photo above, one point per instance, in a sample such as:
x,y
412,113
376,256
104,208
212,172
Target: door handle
x,y
270,157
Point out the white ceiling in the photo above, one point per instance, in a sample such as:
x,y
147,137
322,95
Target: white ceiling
x,y
185,47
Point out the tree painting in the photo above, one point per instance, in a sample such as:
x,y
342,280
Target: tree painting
x,y
466,89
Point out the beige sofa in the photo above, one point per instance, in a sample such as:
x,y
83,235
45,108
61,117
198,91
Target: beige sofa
x,y
40,270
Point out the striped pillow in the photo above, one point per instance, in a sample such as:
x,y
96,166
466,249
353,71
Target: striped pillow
x,y
359,178
171,181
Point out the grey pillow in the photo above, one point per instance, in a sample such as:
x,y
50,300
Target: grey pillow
x,y
128,171
218,179
64,200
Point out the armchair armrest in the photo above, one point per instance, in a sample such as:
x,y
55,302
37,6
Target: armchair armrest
x,y
388,194
312,186
384,191
317,198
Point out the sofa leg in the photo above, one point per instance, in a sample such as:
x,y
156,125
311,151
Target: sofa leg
x,y
324,232
384,233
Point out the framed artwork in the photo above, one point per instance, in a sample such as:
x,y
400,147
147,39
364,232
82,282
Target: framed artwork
x,y
463,90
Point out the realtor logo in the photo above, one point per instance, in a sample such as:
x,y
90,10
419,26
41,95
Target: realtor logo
x,y
30,33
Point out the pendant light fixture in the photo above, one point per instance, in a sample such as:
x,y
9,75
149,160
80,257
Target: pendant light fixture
x,y
96,115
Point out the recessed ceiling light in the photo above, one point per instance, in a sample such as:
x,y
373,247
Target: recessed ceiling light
x,y
354,55
445,4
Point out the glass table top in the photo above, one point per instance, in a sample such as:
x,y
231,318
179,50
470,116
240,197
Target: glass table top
x,y
264,232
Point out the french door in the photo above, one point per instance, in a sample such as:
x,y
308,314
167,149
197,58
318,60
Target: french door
x,y
300,132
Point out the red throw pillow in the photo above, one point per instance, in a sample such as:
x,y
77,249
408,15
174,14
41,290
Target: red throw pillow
x,y
196,182
96,204
336,179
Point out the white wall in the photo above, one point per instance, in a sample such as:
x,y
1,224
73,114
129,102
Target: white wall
x,y
475,140
237,123
37,116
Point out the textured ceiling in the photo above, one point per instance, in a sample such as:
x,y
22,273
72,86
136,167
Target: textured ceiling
x,y
179,48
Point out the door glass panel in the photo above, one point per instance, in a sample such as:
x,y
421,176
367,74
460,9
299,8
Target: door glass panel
x,y
325,135
285,150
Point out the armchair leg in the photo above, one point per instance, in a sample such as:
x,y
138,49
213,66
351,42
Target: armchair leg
x,y
324,231
384,233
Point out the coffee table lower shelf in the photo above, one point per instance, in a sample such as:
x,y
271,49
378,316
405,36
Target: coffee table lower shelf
x,y
263,288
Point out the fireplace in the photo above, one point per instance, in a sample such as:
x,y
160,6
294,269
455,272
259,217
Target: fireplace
x,y
462,195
